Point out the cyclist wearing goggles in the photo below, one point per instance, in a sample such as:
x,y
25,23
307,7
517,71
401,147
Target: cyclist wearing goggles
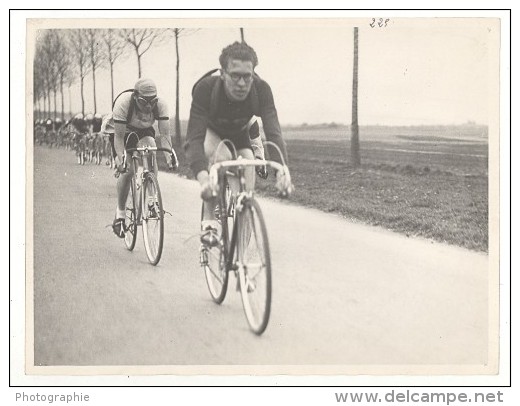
x,y
134,112
224,107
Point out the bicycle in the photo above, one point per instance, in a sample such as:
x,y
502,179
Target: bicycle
x,y
145,209
80,147
243,245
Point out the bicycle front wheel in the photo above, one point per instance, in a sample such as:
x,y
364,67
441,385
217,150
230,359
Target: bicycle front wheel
x,y
153,218
213,260
254,269
131,217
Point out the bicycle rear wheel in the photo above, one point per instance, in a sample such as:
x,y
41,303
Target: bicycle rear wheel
x,y
153,218
254,269
131,217
213,260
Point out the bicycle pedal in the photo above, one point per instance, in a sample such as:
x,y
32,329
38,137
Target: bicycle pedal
x,y
203,256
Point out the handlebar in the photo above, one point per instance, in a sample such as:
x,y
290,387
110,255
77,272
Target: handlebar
x,y
243,163
146,149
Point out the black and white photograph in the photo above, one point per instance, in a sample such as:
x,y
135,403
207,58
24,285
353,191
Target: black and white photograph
x,y
291,196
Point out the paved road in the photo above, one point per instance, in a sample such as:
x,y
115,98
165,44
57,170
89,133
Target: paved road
x,y
344,293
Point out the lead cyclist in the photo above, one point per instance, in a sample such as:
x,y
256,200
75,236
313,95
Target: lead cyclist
x,y
224,107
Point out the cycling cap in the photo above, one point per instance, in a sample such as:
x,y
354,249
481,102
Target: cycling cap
x,y
145,87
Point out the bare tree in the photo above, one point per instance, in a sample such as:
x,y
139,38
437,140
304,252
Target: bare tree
x,y
61,63
177,33
141,40
80,54
47,68
96,54
39,81
242,35
70,82
115,47
354,140
52,48
37,94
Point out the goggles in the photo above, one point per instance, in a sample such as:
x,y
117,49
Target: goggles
x,y
144,102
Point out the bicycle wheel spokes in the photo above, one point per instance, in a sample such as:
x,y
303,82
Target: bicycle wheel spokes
x,y
214,263
131,218
254,267
153,219
215,272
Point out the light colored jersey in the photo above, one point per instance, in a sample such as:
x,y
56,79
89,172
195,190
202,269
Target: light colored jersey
x,y
138,119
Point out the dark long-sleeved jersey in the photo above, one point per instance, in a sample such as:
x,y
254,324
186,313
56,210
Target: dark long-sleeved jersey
x,y
212,109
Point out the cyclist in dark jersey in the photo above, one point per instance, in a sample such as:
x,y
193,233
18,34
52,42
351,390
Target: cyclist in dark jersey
x,y
223,108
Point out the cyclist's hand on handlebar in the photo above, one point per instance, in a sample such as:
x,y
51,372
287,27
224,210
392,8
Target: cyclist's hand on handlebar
x,y
120,166
262,171
207,192
172,163
283,184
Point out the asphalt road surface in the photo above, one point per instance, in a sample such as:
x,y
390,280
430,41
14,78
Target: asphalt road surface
x,y
343,293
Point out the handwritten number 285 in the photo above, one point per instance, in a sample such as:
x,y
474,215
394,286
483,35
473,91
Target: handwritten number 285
x,y
380,22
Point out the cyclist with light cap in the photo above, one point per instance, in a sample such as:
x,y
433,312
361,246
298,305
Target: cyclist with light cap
x,y
134,112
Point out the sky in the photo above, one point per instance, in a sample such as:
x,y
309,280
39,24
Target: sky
x,y
412,71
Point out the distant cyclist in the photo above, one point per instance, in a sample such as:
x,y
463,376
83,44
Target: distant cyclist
x,y
224,107
134,112
96,123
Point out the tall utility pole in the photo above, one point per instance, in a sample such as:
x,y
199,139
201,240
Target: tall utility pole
x,y
177,118
354,140
242,35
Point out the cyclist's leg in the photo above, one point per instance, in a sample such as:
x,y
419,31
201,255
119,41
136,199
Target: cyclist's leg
x,y
123,182
245,150
245,229
211,143
247,153
256,140
149,141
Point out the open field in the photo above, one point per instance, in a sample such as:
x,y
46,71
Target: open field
x,y
430,182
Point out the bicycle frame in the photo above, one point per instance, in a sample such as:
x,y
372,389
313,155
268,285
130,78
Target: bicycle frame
x,y
218,175
141,155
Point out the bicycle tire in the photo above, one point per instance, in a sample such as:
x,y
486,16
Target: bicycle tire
x,y
254,271
152,218
215,260
131,217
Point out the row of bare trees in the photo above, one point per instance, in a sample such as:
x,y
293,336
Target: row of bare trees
x,y
65,57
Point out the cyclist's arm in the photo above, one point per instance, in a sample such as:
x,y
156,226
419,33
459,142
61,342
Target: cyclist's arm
x,y
272,129
163,124
119,141
197,126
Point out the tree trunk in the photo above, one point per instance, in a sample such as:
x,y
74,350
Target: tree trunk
x,y
62,101
177,118
82,98
354,140
242,35
55,109
70,103
138,65
45,105
112,82
94,87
